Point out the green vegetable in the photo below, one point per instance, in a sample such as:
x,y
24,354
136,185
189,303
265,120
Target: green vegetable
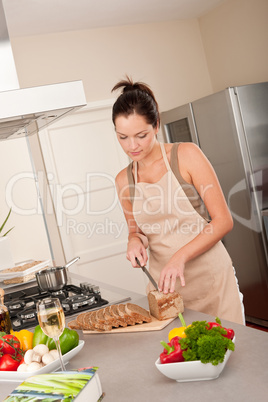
x,y
207,345
69,339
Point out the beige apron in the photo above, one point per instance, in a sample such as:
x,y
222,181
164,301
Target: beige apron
x,y
166,216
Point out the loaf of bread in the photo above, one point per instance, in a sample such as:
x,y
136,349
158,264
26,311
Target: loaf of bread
x,y
109,317
163,306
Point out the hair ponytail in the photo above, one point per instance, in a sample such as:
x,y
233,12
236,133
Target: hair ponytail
x,y
136,97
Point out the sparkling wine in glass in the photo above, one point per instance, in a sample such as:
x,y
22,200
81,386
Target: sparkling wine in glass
x,y
52,321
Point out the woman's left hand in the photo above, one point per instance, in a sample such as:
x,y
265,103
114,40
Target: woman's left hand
x,y
174,269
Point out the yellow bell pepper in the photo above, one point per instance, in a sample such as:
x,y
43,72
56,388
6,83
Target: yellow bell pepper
x,y
25,337
178,331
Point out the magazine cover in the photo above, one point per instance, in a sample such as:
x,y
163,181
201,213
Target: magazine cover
x,y
51,387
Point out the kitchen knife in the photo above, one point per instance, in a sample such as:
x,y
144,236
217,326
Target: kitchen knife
x,y
145,270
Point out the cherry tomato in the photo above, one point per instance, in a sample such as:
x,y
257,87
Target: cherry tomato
x,y
9,345
9,363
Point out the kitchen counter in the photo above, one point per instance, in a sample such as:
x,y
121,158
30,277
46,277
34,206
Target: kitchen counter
x,y
127,369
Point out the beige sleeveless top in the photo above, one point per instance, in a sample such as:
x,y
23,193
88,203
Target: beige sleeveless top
x,y
165,215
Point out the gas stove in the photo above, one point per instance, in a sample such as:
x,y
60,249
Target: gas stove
x,y
74,299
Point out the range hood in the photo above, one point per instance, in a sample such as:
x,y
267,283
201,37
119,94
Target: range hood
x,y
24,112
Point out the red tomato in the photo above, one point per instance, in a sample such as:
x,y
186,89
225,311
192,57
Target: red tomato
x,y
9,363
9,345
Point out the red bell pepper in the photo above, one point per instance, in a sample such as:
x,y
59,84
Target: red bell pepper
x,y
229,331
172,351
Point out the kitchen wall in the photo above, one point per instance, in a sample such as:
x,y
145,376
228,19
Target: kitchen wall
x,y
235,37
167,55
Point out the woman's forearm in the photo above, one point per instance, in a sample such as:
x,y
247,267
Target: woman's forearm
x,y
140,236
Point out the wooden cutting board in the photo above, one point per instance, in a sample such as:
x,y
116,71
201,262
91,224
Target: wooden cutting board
x,y
155,325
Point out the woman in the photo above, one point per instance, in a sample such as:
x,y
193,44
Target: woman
x,y
164,194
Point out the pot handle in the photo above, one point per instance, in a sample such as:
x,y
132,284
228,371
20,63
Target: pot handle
x,y
71,262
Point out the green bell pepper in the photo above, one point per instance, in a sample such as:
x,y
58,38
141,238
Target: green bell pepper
x,y
69,339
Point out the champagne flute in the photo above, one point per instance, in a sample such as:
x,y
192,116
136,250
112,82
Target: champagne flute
x,y
52,321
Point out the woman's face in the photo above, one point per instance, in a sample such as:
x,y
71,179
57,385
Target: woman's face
x,y
135,135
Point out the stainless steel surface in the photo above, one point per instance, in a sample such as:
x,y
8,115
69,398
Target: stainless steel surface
x,y
179,125
145,270
25,111
72,262
232,127
54,278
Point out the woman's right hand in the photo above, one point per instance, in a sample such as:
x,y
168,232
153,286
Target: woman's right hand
x,y
136,249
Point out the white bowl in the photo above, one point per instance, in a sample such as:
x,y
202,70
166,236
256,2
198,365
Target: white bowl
x,y
19,376
192,371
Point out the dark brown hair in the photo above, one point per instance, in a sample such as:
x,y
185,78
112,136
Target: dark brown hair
x,y
136,97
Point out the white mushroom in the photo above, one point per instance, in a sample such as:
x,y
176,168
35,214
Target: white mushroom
x,y
31,356
54,353
41,349
50,357
34,366
22,368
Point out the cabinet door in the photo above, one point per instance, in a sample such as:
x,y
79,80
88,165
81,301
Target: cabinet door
x,y
83,157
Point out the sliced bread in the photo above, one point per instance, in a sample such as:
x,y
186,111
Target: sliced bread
x,y
80,318
110,318
87,321
115,314
121,308
100,316
99,325
74,325
138,313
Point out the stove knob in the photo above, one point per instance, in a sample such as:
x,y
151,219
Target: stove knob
x,y
84,285
95,289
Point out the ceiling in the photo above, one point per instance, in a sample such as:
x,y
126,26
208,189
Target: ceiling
x,y
34,17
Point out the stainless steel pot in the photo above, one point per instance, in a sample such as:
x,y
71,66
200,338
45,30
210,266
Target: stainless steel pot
x,y
55,278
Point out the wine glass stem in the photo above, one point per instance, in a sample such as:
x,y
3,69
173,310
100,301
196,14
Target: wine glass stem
x,y
57,342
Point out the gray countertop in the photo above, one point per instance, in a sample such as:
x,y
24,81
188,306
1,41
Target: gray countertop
x,y
127,366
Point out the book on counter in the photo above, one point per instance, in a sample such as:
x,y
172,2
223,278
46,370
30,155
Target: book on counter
x,y
66,386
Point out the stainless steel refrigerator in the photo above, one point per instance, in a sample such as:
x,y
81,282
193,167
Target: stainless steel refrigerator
x,y
231,127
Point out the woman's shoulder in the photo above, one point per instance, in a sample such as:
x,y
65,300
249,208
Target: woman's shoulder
x,y
189,150
121,179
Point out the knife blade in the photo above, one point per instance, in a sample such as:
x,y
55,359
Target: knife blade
x,y
145,270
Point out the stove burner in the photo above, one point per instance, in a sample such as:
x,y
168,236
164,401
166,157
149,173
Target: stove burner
x,y
27,314
60,294
18,305
74,299
77,301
